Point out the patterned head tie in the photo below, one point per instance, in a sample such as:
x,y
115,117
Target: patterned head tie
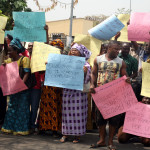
x,y
58,42
83,50
15,43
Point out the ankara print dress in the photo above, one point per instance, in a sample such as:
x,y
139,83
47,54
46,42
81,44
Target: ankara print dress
x,y
50,114
74,110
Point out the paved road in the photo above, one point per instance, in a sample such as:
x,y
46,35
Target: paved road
x,y
47,142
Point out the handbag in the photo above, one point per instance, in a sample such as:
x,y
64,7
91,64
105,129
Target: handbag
x,y
31,81
86,87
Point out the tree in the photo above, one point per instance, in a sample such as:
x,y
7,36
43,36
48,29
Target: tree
x,y
97,18
8,6
122,11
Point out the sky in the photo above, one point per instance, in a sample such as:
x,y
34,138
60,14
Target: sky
x,y
89,8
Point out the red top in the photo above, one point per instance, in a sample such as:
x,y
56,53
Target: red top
x,y
38,80
25,53
38,76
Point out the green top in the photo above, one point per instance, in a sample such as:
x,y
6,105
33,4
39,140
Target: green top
x,y
131,64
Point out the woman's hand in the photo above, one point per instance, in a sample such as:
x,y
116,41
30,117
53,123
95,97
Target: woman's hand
x,y
92,89
46,27
128,23
117,35
4,64
25,77
128,80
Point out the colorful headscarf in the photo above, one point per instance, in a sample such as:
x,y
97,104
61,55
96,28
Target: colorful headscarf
x,y
57,42
83,50
17,44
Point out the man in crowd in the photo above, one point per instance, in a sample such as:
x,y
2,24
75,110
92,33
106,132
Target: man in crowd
x,y
125,137
131,62
107,68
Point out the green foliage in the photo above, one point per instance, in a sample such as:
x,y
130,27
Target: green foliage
x,y
8,6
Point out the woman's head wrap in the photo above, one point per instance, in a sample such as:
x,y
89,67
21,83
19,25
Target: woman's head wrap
x,y
15,43
9,37
57,42
83,50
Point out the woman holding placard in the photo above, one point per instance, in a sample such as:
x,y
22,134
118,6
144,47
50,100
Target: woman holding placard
x,y
75,102
18,113
51,103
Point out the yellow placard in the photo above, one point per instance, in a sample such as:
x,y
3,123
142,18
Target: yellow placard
x,y
124,18
2,35
40,56
3,21
90,43
145,79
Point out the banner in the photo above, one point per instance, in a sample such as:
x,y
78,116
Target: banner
x,y
145,79
137,120
30,35
3,22
29,26
40,56
10,32
65,71
10,80
2,35
107,29
139,28
114,98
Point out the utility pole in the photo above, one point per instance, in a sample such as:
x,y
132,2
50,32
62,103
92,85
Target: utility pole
x,y
71,18
130,7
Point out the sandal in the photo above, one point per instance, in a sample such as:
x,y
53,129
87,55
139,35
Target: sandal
x,y
76,140
97,145
111,147
63,139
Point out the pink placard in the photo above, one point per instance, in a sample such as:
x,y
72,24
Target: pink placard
x,y
139,28
137,120
114,98
10,80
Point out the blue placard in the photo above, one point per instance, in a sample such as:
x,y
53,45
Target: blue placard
x,y
65,71
107,29
10,32
29,20
30,35
29,26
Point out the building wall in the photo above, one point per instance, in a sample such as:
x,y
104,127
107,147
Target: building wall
x,y
80,26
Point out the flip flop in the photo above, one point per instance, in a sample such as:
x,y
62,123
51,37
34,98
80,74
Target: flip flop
x,y
76,140
63,139
97,145
111,147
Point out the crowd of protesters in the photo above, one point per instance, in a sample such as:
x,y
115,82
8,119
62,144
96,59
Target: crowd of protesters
x,y
64,112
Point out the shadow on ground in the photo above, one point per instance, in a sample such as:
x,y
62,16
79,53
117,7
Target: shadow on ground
x,y
46,142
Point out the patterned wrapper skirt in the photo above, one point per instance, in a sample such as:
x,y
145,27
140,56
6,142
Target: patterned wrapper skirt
x,y
50,116
18,114
74,112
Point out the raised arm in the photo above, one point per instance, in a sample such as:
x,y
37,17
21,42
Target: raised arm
x,y
123,69
94,76
123,72
47,38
